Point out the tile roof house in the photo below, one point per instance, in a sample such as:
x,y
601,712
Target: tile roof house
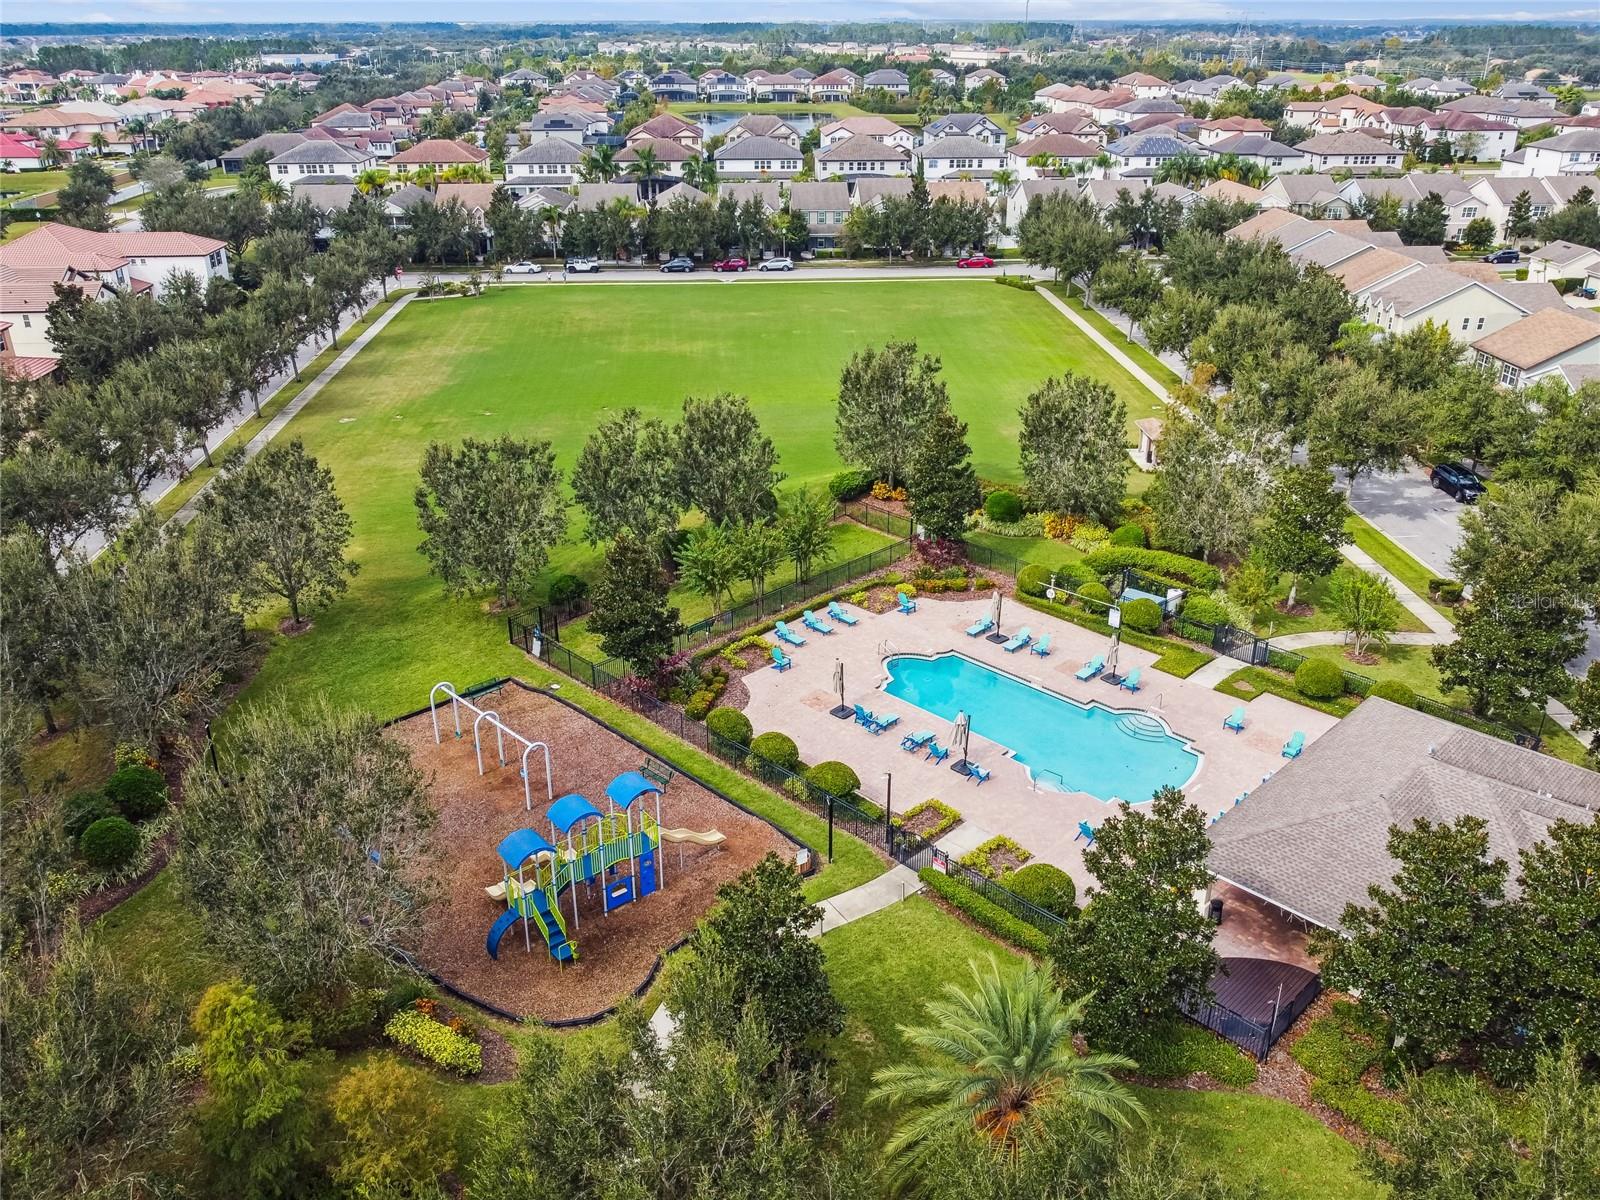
x,y
1061,151
878,128
1546,342
440,154
672,128
836,85
1076,123
862,155
671,155
1524,114
1216,129
762,125
1231,191
789,88
1144,85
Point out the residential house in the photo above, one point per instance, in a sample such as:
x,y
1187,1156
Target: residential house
x,y
762,125
1332,114
1260,150
941,80
1077,124
1308,195
1469,308
1469,135
768,195
1143,85
958,191
1551,341
973,80
871,193
1278,81
782,89
63,124
1061,153
759,158
671,128
879,129
548,162
974,125
1524,114
1521,89
1461,204
27,86
1025,193
672,156
1447,88
1575,152
591,196
568,125
270,144
1546,194
20,368
318,159
1562,260
825,206
1207,89
522,77
674,86
1104,193
1360,153
26,152
1362,82
834,86
862,155
896,83
1144,153
722,87
1218,128
1232,192
439,154
960,157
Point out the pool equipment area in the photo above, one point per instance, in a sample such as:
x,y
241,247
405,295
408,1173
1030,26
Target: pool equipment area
x,y
1065,745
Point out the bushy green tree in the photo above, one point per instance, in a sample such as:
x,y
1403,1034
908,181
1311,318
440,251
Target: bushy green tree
x,y
395,1142
624,478
885,398
726,466
1302,526
1557,935
631,613
1365,605
1071,446
942,485
805,528
82,201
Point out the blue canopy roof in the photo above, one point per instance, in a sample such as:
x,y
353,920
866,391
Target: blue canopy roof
x,y
569,810
521,845
628,787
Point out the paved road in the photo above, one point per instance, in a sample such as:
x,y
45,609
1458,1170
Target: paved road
x,y
1413,514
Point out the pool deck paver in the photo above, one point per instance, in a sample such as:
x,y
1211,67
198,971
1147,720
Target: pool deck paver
x,y
1044,821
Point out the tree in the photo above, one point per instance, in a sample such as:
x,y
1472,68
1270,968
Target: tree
x,y
599,164
1176,319
1361,423
82,202
805,529
1585,705
1478,233
1577,221
624,479
281,512
394,1135
885,398
726,467
941,481
1431,952
646,165
490,512
1071,446
255,1121
758,550
339,282
1142,945
246,347
631,613
333,821
708,562
1366,607
1011,1041
1557,935
515,230
33,636
1423,223
1065,233
1519,217
1302,526
1466,414
1130,283
1210,484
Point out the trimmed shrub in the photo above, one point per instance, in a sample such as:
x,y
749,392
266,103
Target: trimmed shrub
x,y
985,912
834,777
1129,535
699,705
731,724
1045,885
1033,579
1450,592
1395,691
83,809
1142,614
139,792
1186,570
1202,608
947,817
1004,507
850,485
777,748
1096,596
1175,1048
109,843
435,1041
1319,679
568,590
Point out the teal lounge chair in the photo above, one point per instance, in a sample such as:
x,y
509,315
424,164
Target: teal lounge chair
x,y
1018,640
1042,646
1295,744
916,741
811,621
937,753
1085,830
838,613
1092,668
780,660
1235,720
785,634
980,627
879,724
1131,679
976,773
907,604
865,717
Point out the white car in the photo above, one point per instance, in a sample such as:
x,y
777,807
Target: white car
x,y
777,264
586,266
525,268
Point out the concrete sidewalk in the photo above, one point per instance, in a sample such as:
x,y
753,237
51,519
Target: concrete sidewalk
x,y
1155,386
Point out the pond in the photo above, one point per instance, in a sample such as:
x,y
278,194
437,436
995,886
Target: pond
x,y
716,123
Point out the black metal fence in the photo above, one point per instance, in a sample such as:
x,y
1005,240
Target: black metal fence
x,y
1234,1027
997,893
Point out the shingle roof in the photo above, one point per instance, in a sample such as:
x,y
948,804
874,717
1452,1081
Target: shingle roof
x,y
959,146
1313,837
1419,290
869,190
324,197
1345,143
957,122
755,147
1152,145
770,194
317,151
665,150
861,148
1056,145
272,143
1253,145
597,195
762,125
1375,266
857,126
1540,336
1561,253
819,197
548,150
1572,139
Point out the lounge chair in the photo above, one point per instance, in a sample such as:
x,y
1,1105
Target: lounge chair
x,y
1092,668
811,621
1235,720
865,717
1042,646
916,741
1085,830
1295,744
785,634
1018,640
980,627
907,604
1131,679
780,660
976,773
879,724
837,612
937,753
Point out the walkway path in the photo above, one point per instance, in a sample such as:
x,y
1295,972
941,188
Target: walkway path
x,y
894,885
1118,355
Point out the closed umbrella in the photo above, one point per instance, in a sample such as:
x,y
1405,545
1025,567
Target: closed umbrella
x,y
994,617
840,710
958,742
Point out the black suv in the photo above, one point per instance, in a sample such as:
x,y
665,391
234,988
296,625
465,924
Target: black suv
x,y
1455,480
1507,255
678,264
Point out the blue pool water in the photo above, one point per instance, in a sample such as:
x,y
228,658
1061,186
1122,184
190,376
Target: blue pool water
x,y
1066,745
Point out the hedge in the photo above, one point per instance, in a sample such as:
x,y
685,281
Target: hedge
x,y
850,485
778,749
1047,886
1034,579
1003,507
1175,1048
1395,691
1202,608
1129,535
1142,614
985,912
1319,679
1177,658
1181,567
435,1041
834,777
730,724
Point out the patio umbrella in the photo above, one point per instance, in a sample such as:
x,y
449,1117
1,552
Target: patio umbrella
x,y
994,617
958,741
841,709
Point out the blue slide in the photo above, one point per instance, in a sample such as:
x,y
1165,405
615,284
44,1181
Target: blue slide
x,y
501,927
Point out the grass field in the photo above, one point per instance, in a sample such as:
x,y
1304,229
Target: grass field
x,y
548,362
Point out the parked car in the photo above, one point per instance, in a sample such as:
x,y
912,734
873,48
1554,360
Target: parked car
x,y
583,266
1455,480
1508,255
777,264
977,260
1585,293
731,264
678,264
524,268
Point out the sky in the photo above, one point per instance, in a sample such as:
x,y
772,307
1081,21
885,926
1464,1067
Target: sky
x,y
1397,11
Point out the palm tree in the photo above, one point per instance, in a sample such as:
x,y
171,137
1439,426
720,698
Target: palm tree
x,y
99,143
701,172
1187,169
599,165
1011,1042
1004,178
373,179
645,165
137,128
465,173
273,191
50,153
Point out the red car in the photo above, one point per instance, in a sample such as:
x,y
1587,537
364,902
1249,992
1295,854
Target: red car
x,y
730,264
977,260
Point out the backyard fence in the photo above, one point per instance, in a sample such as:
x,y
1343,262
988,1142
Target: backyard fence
x,y
998,894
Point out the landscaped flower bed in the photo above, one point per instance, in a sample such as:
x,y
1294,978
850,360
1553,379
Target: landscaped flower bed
x,y
995,857
929,820
419,1030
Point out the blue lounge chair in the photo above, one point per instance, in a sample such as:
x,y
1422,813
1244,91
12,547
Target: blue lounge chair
x,y
1018,640
1042,646
1092,668
864,717
937,753
980,627
907,604
838,613
1085,830
976,773
1295,744
879,724
785,634
1131,679
811,621
916,741
780,660
1234,720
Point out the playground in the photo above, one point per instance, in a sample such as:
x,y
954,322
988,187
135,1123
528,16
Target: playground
x,y
640,859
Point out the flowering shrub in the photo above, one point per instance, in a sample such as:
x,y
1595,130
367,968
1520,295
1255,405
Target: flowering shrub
x,y
131,754
1060,526
882,491
858,598
1089,536
939,553
438,1043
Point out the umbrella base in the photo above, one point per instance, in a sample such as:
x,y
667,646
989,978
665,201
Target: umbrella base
x,y
960,767
997,638
843,711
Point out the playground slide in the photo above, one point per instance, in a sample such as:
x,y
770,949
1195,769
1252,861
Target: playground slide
x,y
498,930
710,837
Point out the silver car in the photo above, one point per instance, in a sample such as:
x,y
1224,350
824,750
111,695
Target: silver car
x,y
777,264
524,268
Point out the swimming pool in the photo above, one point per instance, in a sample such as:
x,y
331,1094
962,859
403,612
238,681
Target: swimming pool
x,y
1066,746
